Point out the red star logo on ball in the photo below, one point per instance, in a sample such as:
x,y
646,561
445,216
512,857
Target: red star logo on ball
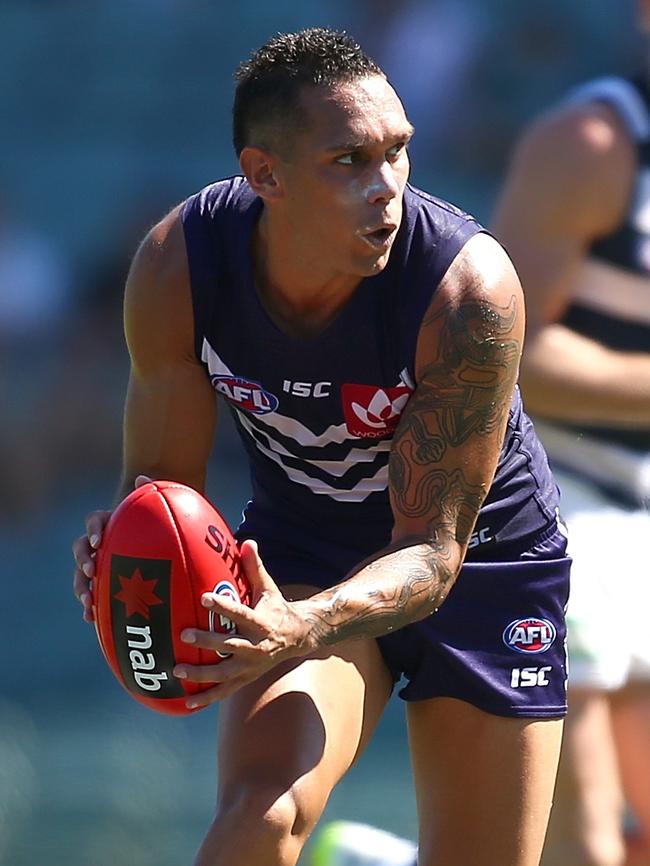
x,y
137,594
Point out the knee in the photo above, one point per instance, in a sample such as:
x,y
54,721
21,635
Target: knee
x,y
278,810
260,823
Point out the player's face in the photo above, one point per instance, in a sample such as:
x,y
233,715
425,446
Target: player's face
x,y
344,178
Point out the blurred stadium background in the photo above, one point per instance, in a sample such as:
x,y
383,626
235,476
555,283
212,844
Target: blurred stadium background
x,y
110,113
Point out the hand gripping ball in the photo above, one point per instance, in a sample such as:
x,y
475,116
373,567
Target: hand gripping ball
x,y
162,548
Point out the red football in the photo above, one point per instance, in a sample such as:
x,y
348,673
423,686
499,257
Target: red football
x,y
163,546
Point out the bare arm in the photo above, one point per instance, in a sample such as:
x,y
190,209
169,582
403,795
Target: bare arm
x,y
569,184
170,410
444,454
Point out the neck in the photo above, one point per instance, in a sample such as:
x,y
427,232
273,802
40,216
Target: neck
x,y
300,294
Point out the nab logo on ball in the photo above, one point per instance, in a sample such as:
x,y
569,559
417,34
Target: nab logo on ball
x,y
371,411
141,624
245,394
529,635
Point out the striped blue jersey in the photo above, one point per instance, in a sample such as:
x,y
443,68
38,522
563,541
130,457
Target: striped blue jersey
x,y
317,415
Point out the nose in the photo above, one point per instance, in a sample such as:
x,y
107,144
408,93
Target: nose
x,y
384,184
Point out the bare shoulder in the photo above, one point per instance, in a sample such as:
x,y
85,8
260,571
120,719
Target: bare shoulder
x,y
160,261
158,305
482,273
477,306
576,163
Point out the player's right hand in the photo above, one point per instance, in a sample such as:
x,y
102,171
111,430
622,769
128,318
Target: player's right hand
x,y
85,549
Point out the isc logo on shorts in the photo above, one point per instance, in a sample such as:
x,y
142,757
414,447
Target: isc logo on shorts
x,y
529,635
523,678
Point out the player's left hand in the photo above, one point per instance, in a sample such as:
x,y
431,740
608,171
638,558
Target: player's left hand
x,y
269,632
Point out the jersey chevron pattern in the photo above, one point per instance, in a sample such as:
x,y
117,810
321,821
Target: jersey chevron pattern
x,y
317,415
328,462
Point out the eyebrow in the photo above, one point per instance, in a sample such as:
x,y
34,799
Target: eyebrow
x,y
359,144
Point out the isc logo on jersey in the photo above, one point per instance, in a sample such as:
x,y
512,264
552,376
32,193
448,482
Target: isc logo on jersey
x,y
246,394
529,635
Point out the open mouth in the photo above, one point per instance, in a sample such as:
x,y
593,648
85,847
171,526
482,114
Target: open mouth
x,y
379,237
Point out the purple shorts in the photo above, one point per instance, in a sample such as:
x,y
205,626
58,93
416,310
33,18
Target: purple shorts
x,y
498,641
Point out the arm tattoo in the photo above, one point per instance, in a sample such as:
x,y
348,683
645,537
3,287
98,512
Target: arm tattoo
x,y
388,593
463,394
469,381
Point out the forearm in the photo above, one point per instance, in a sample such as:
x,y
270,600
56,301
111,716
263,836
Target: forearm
x,y
568,377
398,587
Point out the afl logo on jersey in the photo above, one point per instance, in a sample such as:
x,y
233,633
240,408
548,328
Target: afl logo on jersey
x,y
530,635
371,411
245,394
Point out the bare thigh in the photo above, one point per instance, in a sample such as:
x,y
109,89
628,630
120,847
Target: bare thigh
x,y
484,783
586,821
284,742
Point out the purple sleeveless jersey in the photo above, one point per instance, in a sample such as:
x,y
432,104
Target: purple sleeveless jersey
x,y
317,416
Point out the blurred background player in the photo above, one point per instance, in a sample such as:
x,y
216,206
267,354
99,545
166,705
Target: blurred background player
x,y
574,215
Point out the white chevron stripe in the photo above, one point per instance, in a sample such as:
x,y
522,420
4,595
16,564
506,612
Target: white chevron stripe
x,y
379,481
303,436
215,365
336,468
292,429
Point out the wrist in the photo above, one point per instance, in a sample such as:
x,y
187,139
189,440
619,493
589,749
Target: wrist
x,y
313,637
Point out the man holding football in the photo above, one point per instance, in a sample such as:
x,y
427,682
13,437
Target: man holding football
x,y
366,337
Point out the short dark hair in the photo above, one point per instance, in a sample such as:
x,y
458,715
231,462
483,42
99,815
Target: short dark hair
x,y
269,83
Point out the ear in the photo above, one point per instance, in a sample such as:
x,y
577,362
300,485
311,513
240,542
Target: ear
x,y
259,168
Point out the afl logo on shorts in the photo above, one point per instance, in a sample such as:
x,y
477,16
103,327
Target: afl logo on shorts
x,y
530,635
245,394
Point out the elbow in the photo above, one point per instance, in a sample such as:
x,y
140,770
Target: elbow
x,y
443,564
